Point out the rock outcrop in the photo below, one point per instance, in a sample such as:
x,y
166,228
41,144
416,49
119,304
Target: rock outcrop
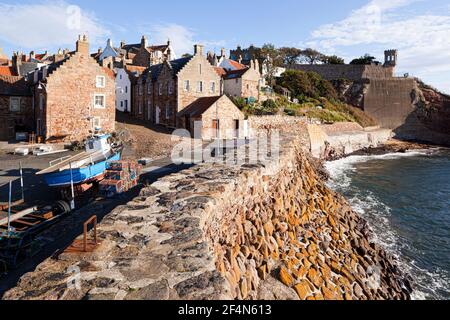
x,y
271,230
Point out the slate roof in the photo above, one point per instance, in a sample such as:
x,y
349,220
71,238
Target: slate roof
x,y
235,74
199,106
14,86
178,64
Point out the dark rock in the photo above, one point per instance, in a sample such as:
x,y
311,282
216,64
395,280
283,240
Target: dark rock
x,y
156,291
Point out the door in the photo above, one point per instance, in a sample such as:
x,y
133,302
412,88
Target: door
x,y
158,114
38,127
187,123
216,128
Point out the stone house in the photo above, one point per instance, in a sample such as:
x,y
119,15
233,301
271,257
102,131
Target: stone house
x,y
216,117
239,80
16,112
164,90
147,55
73,97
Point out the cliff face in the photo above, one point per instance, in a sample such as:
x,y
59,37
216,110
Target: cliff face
x,y
412,109
432,108
272,230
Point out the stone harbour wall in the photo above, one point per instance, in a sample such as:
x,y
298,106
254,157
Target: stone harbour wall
x,y
267,231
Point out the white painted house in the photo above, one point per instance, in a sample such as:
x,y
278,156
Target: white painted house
x,y
123,90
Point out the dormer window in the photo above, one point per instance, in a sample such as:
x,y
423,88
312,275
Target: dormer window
x,y
100,81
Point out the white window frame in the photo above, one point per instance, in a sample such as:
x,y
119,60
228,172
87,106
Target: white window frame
x,y
18,100
186,85
212,86
199,86
95,102
99,121
140,107
103,82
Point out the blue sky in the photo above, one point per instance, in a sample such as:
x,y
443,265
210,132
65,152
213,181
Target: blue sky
x,y
420,29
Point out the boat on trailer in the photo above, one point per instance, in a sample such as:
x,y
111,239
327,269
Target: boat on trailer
x,y
86,167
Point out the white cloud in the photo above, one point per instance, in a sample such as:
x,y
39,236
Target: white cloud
x,y
181,38
47,24
422,39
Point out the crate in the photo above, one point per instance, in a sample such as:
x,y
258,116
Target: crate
x,y
114,186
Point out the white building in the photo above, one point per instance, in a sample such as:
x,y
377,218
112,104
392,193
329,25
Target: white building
x,y
123,90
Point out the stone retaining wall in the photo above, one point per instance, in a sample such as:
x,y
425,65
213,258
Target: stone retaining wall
x,y
267,231
327,143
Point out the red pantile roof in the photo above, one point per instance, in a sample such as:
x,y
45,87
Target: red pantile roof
x,y
220,71
137,69
7,71
237,65
109,72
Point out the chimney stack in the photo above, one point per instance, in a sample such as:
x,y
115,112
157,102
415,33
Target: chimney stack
x,y
223,53
198,49
32,55
83,45
144,42
122,44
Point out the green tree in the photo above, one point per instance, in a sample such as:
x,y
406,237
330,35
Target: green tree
x,y
311,56
333,60
290,55
366,59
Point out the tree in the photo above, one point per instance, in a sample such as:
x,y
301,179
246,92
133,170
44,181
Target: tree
x,y
333,60
307,84
186,55
311,56
366,59
290,55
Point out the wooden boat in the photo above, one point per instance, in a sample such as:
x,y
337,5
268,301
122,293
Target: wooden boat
x,y
85,167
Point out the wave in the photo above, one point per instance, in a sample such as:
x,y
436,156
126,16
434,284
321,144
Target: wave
x,y
378,214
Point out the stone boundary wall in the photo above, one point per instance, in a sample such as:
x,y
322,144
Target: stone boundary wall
x,y
267,231
346,71
328,143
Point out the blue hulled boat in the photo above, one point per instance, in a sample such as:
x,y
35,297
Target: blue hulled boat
x,y
85,167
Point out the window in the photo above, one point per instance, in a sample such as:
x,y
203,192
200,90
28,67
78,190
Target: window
x,y
100,81
186,85
41,101
121,104
213,87
167,112
96,124
126,106
149,110
99,101
170,87
140,89
140,107
149,88
120,77
126,89
200,86
160,89
14,104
